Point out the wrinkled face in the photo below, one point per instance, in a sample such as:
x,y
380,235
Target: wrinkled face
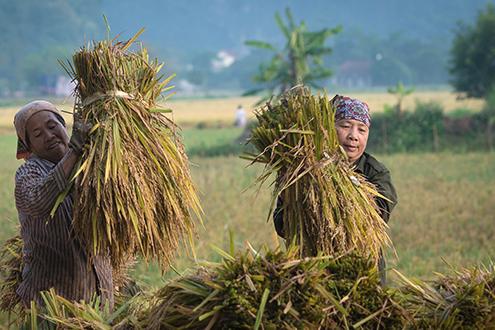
x,y
47,137
353,136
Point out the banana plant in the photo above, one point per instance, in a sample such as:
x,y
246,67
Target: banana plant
x,y
299,62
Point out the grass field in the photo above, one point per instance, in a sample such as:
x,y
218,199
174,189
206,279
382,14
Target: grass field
x,y
445,210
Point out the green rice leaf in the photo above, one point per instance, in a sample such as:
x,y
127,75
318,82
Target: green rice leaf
x,y
261,309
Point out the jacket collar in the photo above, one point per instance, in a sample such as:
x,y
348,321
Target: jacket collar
x,y
361,162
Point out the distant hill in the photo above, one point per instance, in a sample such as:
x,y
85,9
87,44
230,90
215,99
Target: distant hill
x,y
216,24
383,41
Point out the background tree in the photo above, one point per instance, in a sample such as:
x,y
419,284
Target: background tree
x,y
400,91
300,61
473,55
34,34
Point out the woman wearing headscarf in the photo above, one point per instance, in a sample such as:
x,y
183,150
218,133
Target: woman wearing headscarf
x,y
52,256
352,124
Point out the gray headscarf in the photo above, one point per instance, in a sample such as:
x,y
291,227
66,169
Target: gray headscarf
x,y
20,121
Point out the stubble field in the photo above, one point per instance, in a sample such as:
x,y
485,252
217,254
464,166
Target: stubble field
x,y
220,112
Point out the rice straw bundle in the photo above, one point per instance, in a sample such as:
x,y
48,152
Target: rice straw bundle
x,y
327,207
121,276
465,300
11,275
277,291
134,190
60,313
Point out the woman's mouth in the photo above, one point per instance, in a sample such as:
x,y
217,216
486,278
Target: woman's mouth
x,y
53,145
351,148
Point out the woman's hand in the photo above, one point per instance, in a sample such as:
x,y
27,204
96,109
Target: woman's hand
x,y
80,134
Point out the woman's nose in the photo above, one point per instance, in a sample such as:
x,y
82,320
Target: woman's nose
x,y
49,135
352,135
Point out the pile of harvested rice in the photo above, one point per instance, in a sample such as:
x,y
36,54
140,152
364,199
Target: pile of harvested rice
x,y
277,291
464,300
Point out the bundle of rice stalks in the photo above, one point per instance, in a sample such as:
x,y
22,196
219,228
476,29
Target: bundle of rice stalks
x,y
327,207
120,276
133,186
124,286
60,313
11,265
277,291
465,300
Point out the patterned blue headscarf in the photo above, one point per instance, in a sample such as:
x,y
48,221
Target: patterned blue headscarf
x,y
348,108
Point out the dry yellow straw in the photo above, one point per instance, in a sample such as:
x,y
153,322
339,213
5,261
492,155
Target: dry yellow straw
x,y
133,187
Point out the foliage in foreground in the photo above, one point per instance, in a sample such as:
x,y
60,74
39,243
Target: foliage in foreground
x,y
465,300
60,313
11,266
278,291
246,291
10,276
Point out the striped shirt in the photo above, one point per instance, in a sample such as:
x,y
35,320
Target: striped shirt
x,y
53,258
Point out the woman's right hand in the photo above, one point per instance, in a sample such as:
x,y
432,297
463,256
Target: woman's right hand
x,y
80,133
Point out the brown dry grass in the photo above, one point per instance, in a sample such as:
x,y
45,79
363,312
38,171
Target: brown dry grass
x,y
448,100
221,111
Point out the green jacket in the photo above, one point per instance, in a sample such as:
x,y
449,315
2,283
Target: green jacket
x,y
376,173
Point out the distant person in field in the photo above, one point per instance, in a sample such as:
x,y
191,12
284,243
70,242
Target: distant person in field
x,y
353,122
52,256
240,116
